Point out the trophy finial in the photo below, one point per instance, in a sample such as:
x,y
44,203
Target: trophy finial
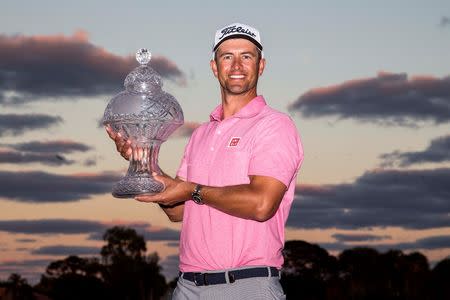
x,y
143,56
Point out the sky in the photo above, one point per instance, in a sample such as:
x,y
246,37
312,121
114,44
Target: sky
x,y
366,83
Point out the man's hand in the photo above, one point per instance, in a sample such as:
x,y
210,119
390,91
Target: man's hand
x,y
122,145
176,191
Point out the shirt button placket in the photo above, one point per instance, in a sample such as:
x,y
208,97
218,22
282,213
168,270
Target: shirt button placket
x,y
218,132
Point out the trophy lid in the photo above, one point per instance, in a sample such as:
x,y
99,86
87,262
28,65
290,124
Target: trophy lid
x,y
143,79
143,98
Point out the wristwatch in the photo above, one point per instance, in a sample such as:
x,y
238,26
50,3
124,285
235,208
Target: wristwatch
x,y
196,197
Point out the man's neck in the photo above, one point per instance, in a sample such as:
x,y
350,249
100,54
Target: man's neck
x,y
231,104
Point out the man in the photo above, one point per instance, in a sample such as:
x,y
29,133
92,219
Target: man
x,y
236,183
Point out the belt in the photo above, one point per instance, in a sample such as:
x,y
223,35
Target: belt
x,y
219,278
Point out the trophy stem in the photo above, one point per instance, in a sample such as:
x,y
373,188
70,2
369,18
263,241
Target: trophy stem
x,y
139,179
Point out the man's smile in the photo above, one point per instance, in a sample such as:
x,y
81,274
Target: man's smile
x,y
237,76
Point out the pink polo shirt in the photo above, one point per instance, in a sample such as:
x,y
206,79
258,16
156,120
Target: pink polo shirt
x,y
257,140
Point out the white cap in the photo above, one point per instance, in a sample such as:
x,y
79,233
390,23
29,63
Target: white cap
x,y
237,30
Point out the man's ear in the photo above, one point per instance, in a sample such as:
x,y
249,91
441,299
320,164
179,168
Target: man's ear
x,y
214,67
262,65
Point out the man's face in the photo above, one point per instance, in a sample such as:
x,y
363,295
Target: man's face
x,y
237,66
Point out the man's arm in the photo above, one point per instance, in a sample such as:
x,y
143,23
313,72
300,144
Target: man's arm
x,y
257,200
175,211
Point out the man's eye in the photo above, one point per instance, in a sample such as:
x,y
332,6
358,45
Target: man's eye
x,y
227,57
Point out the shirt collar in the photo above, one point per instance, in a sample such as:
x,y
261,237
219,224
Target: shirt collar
x,y
251,109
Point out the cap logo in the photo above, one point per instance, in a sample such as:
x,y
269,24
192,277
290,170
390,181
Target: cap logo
x,y
239,29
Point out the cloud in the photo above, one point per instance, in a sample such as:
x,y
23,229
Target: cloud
x,y
15,157
41,152
433,242
149,234
65,146
66,250
14,124
438,151
428,243
186,130
26,240
42,187
90,162
30,269
51,226
173,244
165,234
334,246
25,264
359,237
387,99
22,249
55,66
445,21
94,229
412,199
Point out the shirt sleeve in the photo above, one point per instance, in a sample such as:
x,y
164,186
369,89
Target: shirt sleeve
x,y
182,170
277,150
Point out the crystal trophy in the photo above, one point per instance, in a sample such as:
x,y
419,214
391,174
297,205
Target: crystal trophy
x,y
146,116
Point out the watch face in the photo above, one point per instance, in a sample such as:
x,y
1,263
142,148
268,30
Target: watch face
x,y
196,195
197,199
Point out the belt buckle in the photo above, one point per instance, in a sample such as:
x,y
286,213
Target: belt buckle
x,y
231,277
205,281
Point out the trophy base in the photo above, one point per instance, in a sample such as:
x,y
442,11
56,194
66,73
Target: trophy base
x,y
131,186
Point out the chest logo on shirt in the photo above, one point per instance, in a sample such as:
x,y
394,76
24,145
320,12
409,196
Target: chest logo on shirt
x,y
234,141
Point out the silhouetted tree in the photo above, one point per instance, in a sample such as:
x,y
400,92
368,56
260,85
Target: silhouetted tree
x,y
74,278
361,270
128,272
416,277
440,280
154,283
307,270
122,243
367,274
310,273
18,287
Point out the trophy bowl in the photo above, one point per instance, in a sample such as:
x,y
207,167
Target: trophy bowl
x,y
146,116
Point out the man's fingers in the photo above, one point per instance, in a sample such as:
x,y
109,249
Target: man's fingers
x,y
123,146
128,153
140,153
110,132
119,144
146,198
134,152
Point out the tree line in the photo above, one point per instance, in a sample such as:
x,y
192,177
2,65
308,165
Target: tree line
x,y
125,271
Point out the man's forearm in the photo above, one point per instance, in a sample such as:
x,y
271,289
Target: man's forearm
x,y
257,200
174,212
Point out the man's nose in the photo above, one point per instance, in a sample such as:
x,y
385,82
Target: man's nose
x,y
237,64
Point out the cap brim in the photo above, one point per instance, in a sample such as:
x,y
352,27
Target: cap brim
x,y
239,36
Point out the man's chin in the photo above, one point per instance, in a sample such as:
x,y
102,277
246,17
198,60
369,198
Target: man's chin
x,y
236,90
